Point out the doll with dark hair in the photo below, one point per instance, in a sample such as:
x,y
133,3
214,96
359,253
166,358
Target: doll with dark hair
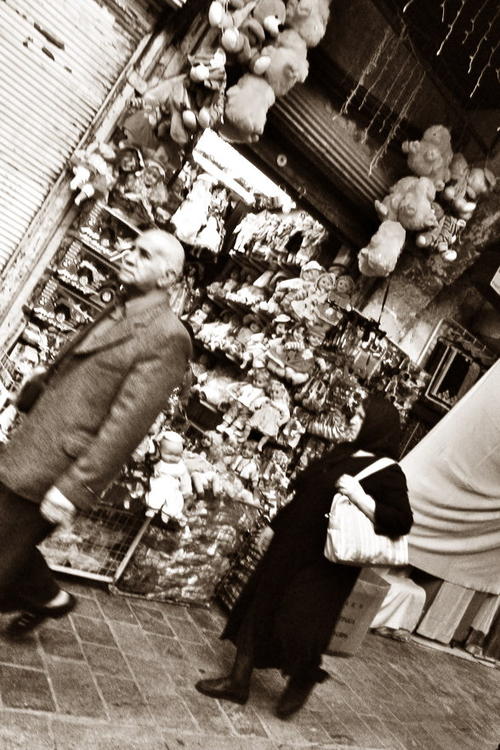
x,y
286,613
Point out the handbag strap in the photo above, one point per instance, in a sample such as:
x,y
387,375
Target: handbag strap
x,y
378,465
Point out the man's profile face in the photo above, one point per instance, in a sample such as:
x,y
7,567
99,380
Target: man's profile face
x,y
145,263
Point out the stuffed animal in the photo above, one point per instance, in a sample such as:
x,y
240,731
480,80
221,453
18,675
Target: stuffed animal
x,y
247,104
431,156
247,41
309,18
410,203
93,174
287,62
441,237
466,186
380,256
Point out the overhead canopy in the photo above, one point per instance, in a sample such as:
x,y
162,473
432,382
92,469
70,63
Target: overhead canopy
x,y
454,484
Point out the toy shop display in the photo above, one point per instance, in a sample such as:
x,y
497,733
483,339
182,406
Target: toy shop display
x,y
434,204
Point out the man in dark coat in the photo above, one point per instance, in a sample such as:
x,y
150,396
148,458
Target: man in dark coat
x,y
100,399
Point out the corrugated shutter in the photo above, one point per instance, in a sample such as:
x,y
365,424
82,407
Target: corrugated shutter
x,y
305,116
59,59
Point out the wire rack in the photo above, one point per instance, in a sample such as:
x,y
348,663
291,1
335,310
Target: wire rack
x,y
99,544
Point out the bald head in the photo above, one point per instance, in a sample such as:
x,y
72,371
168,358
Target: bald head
x,y
156,260
167,246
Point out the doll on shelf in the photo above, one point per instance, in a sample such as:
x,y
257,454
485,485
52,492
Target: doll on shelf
x,y
247,464
213,335
244,396
300,354
198,317
288,291
270,412
170,485
244,337
255,347
307,308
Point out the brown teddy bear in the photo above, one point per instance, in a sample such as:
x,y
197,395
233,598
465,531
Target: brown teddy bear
x,y
431,156
309,18
410,203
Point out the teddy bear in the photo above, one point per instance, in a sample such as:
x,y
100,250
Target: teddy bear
x,y
380,256
247,40
410,202
443,236
287,62
309,18
431,156
466,186
247,104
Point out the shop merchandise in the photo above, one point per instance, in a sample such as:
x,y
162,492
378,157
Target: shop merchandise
x,y
170,484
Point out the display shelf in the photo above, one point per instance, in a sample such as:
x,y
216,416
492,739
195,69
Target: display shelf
x,y
93,250
119,216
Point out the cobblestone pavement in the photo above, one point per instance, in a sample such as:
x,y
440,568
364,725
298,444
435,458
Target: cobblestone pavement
x,y
118,674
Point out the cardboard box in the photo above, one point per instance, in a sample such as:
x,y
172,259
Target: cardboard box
x,y
357,613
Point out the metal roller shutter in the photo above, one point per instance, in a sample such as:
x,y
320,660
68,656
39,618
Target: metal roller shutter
x,y
59,59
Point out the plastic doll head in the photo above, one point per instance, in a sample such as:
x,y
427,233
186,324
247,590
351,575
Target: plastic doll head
x,y
344,284
171,446
325,282
315,336
260,376
153,173
311,271
277,390
130,160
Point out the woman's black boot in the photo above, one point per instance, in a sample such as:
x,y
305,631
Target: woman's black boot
x,y
235,687
293,697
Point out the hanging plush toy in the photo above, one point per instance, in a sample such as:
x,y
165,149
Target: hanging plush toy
x,y
309,18
380,256
431,156
410,202
287,62
247,105
442,237
466,186
93,171
247,41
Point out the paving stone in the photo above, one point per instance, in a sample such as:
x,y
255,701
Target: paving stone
x,y
167,647
93,630
23,653
152,621
133,640
20,731
151,677
186,630
75,690
244,719
123,699
25,688
88,607
205,620
208,713
116,608
78,736
176,741
172,712
105,660
61,643
171,610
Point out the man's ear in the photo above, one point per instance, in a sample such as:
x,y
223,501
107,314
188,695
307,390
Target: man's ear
x,y
168,278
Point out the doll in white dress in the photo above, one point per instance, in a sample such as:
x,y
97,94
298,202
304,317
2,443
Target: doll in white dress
x,y
170,485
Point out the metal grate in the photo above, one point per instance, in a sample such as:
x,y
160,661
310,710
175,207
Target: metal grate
x,y
98,544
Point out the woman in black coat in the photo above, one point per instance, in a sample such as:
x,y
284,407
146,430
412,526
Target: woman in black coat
x,y
286,614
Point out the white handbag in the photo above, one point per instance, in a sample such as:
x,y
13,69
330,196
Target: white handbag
x,y
351,537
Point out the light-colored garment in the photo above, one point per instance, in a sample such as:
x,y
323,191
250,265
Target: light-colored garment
x,y
403,603
453,478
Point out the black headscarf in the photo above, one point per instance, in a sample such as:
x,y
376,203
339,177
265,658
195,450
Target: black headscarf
x,y
380,432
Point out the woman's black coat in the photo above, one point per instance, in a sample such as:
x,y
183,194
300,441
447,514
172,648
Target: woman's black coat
x,y
295,595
